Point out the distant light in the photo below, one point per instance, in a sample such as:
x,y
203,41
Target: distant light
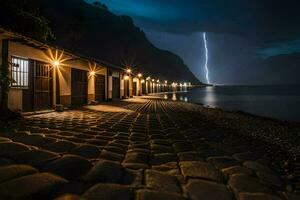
x,y
166,82
56,63
128,71
148,78
140,75
185,84
126,77
143,81
153,80
92,73
158,80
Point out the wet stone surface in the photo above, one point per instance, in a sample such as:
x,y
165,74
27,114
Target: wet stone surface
x,y
148,149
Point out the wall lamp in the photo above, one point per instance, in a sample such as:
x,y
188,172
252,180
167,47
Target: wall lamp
x,y
92,73
56,63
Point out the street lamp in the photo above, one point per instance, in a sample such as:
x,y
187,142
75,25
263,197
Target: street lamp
x,y
128,71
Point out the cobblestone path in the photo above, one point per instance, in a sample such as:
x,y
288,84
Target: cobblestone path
x,y
147,150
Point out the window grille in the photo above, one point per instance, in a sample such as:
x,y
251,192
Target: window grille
x,y
19,72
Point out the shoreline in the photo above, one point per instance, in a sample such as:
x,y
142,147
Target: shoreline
x,y
168,142
222,109
284,135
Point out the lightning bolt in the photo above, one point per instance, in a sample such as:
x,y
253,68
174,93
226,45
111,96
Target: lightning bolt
x,y
206,58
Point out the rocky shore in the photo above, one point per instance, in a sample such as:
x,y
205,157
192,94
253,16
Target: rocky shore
x,y
149,149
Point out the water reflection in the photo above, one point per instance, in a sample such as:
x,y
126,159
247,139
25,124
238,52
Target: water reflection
x,y
281,102
174,97
210,96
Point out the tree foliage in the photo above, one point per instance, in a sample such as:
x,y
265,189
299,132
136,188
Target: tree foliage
x,y
4,83
100,5
24,16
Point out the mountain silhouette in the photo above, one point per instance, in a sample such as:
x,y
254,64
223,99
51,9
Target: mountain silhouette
x,y
96,32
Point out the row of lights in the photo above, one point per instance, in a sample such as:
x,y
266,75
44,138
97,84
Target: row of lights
x,y
56,63
139,75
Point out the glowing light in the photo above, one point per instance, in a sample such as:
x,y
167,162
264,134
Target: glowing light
x,y
153,80
128,71
206,58
185,84
166,82
56,63
92,73
56,58
174,98
126,77
157,81
94,69
143,81
148,78
139,75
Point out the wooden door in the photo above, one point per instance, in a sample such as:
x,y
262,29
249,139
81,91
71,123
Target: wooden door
x,y
144,88
134,89
79,87
116,88
43,88
100,88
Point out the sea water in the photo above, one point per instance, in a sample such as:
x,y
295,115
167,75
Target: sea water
x,y
280,102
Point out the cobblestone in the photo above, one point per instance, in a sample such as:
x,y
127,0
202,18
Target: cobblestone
x,y
15,171
109,192
150,150
161,182
105,171
150,195
203,170
201,189
30,186
244,183
257,196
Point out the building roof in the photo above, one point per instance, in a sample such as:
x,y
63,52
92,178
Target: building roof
x,y
13,36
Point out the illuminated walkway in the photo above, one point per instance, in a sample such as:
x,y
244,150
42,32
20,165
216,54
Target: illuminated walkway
x,y
139,149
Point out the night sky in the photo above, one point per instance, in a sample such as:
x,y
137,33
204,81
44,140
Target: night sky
x,y
240,34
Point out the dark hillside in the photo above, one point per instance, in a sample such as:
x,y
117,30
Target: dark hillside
x,y
96,32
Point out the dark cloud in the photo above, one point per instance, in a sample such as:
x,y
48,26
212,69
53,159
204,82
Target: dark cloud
x,y
241,33
267,20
